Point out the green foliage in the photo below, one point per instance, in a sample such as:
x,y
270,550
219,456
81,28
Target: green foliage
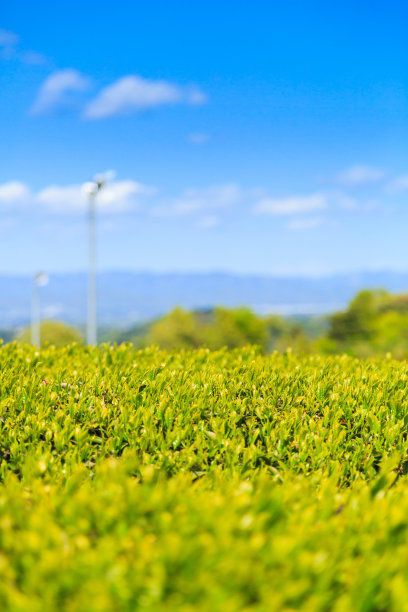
x,y
234,328
222,327
137,335
283,334
201,481
375,323
358,322
6,335
176,330
52,332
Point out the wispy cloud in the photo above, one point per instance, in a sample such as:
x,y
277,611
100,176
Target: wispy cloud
x,y
13,193
197,201
209,221
118,196
205,207
8,43
360,175
291,205
198,138
131,94
398,184
305,224
57,90
115,197
33,58
302,204
9,49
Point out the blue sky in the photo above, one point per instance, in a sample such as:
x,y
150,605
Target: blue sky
x,y
262,137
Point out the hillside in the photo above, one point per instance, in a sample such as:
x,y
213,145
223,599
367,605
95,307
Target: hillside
x,y
126,298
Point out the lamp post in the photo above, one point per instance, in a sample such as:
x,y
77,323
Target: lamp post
x,y
39,280
92,189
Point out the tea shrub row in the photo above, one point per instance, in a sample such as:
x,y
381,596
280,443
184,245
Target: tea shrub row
x,y
147,480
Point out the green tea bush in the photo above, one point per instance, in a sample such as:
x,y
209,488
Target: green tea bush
x,y
150,480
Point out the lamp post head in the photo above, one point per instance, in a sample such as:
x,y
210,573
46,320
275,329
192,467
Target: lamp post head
x,y
90,188
105,177
41,279
98,183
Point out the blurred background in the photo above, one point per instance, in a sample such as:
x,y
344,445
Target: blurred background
x,y
255,175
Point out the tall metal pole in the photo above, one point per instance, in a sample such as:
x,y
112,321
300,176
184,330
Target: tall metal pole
x,y
91,327
39,280
35,313
92,189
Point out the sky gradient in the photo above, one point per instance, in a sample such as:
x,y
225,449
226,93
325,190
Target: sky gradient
x,y
253,137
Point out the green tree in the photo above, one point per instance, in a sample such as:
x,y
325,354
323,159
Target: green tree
x,y
54,333
358,322
375,323
176,330
235,328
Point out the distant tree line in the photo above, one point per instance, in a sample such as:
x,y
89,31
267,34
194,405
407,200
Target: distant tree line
x,y
375,323
217,328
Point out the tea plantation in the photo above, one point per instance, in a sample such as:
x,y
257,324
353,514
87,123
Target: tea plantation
x,y
201,481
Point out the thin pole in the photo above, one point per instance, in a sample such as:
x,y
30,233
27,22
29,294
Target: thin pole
x,y
91,328
35,313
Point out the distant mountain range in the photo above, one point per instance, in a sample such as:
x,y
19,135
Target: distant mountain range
x,y
127,298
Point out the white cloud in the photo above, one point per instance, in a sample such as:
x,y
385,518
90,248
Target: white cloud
x,y
123,195
193,201
341,199
32,58
118,196
194,95
8,42
198,138
302,204
360,175
62,199
7,38
305,224
57,90
13,193
291,205
205,207
131,94
399,184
